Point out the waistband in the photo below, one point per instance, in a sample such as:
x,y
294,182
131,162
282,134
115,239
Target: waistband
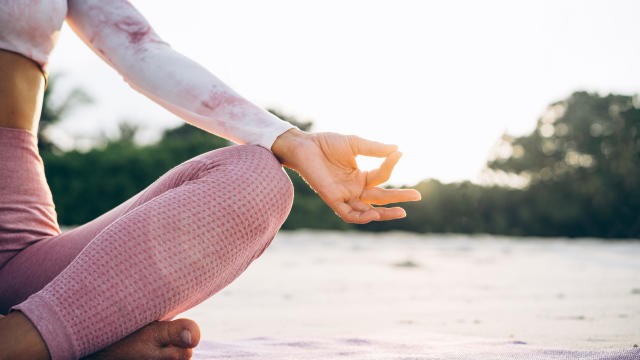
x,y
17,137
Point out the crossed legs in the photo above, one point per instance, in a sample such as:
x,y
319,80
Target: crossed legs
x,y
163,251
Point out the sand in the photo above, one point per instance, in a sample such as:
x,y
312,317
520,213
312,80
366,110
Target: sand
x,y
399,287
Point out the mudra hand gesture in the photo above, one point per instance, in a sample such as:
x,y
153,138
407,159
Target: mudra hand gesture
x,y
327,162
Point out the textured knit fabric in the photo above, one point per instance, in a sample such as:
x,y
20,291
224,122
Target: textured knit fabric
x,y
27,214
123,38
163,251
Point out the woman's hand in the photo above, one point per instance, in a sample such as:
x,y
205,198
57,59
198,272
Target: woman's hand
x,y
327,162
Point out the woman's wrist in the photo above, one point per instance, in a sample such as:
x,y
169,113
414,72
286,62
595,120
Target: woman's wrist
x,y
289,144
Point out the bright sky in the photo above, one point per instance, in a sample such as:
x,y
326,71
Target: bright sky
x,y
442,79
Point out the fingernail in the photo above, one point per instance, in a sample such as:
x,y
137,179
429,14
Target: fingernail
x,y
186,337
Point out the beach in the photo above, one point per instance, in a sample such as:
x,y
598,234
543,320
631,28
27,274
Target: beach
x,y
580,294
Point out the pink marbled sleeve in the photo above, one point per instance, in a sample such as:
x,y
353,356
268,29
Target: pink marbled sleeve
x,y
119,34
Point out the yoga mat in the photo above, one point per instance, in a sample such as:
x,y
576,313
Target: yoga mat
x,y
431,348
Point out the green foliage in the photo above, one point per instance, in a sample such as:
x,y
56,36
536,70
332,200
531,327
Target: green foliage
x,y
86,185
582,162
458,208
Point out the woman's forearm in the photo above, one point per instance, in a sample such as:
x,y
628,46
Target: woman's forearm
x,y
119,34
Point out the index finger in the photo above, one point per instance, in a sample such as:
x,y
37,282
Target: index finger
x,y
379,196
371,148
383,173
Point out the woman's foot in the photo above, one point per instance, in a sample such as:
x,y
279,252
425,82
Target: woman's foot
x,y
158,340
19,339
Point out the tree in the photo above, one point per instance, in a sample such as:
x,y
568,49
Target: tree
x,y
583,162
583,166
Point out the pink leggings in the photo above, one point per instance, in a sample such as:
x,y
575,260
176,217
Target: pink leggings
x,y
168,248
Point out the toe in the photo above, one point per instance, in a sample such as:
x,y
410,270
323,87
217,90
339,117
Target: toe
x,y
175,353
182,333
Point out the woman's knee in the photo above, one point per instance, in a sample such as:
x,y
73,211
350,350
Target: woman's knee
x,y
269,181
256,174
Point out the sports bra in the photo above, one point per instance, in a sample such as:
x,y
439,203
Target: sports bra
x,y
123,38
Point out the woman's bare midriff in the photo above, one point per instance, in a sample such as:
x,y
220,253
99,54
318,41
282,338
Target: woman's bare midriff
x,y
21,92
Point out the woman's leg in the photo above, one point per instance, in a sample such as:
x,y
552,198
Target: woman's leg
x,y
27,213
182,239
32,250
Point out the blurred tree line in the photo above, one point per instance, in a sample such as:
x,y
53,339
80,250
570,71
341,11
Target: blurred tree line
x,y
88,184
582,169
581,166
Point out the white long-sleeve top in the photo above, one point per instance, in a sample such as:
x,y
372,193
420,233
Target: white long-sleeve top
x,y
123,38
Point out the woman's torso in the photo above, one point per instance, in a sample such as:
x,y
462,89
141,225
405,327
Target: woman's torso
x,y
21,91
28,32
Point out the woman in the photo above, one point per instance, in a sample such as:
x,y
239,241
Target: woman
x,y
178,241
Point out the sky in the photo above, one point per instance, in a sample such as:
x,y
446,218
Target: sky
x,y
442,79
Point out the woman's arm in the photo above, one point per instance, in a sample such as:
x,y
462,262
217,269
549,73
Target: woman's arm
x,y
119,34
